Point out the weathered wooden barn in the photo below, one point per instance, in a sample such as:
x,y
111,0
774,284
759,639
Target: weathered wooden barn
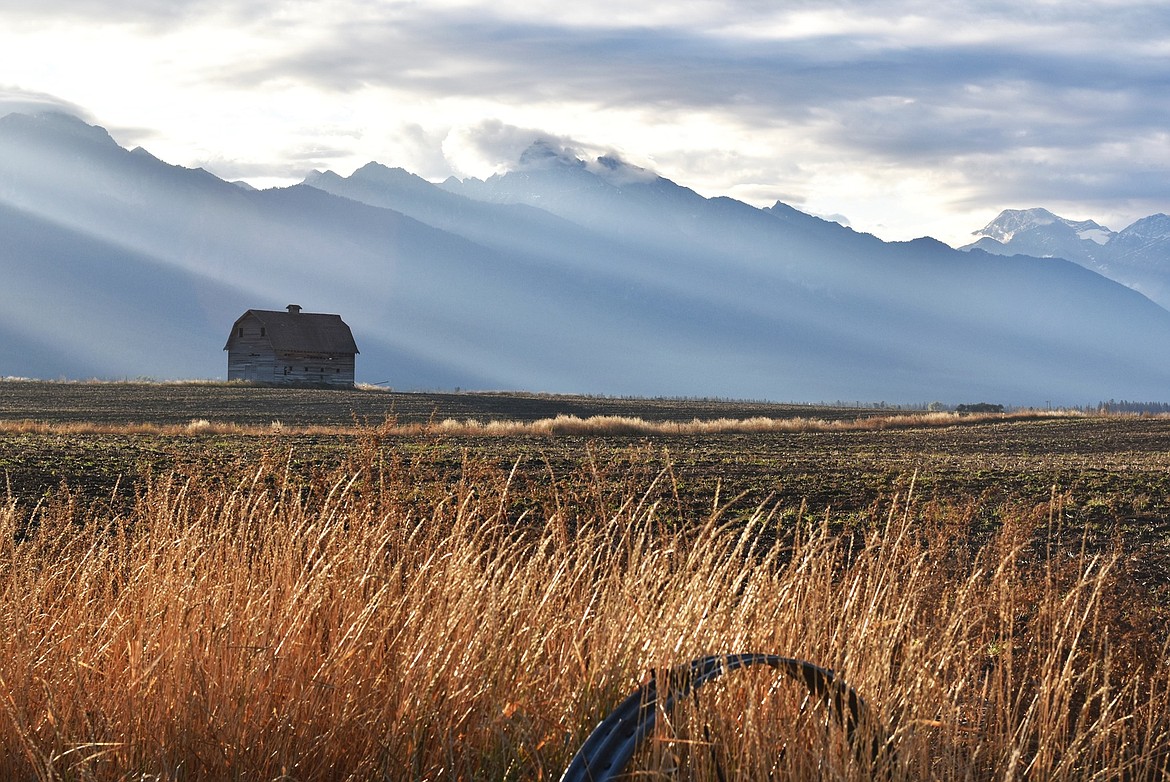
x,y
291,348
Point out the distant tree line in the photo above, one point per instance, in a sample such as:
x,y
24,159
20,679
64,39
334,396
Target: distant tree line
x,y
979,407
1126,406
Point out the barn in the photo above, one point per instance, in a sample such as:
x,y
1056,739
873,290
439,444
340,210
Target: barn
x,y
291,348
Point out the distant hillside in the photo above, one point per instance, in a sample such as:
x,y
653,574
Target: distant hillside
x,y
1137,256
562,275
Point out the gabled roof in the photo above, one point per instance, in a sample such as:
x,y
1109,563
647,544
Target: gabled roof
x,y
311,332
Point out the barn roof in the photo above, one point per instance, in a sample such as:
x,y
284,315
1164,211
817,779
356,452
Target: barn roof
x,y
311,332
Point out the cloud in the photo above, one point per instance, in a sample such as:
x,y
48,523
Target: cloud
x,y
423,148
305,159
492,146
836,218
147,13
471,49
751,98
999,100
1089,184
895,93
14,100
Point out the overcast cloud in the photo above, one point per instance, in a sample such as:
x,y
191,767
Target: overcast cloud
x,y
906,117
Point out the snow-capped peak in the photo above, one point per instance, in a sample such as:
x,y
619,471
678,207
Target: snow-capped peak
x,y
1153,227
1012,222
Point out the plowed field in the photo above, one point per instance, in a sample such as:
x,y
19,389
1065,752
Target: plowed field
x,y
1110,475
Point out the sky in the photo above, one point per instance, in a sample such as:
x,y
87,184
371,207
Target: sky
x,y
901,118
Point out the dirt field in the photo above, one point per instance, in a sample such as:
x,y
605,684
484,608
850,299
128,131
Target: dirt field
x,y
1111,471
181,402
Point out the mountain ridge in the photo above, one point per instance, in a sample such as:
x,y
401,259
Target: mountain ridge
x,y
560,276
1138,256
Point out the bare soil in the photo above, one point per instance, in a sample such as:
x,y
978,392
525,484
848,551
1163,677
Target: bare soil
x,y
1109,476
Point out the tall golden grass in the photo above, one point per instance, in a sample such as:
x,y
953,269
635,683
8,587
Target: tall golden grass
x,y
385,622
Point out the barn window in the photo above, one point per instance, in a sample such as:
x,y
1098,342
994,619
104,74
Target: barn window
x,y
263,331
240,331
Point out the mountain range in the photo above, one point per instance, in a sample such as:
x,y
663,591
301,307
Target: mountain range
x,y
1137,256
561,275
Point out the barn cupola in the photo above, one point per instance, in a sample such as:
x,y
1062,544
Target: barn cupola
x,y
294,309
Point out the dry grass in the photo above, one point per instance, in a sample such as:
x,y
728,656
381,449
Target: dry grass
x,y
596,426
603,425
382,622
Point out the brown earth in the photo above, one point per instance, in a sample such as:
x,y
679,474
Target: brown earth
x,y
1109,476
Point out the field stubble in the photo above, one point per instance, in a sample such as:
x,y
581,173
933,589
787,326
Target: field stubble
x,y
370,606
